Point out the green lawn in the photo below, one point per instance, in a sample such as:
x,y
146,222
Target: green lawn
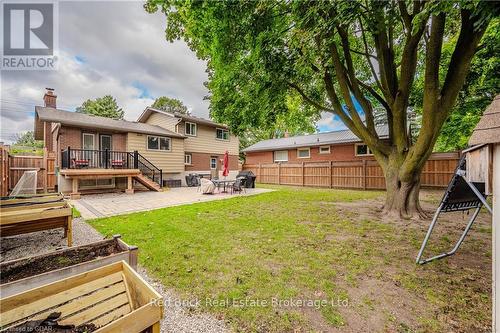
x,y
295,244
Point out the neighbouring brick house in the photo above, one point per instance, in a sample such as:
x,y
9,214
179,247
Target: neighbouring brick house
x,y
83,142
330,146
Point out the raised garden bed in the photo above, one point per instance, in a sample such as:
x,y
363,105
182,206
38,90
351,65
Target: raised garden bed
x,y
112,298
23,274
20,215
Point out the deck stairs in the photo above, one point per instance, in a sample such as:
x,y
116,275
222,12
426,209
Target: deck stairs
x,y
148,183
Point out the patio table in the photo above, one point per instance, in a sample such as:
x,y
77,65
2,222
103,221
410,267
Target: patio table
x,y
223,182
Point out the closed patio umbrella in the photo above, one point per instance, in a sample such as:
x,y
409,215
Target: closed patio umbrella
x,y
225,172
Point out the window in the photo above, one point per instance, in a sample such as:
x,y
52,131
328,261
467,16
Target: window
x,y
303,153
188,158
281,156
324,150
222,134
190,129
96,183
363,150
213,162
88,141
158,143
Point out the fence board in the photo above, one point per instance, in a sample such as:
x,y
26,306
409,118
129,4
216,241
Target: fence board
x,y
4,170
13,168
366,174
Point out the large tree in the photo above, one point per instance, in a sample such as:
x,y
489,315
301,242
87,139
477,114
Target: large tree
x,y
170,105
333,53
105,106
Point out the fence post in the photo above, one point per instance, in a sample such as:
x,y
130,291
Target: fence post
x,y
330,174
279,173
136,159
364,174
45,171
303,175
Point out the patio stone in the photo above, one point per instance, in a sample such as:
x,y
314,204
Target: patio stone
x,y
111,204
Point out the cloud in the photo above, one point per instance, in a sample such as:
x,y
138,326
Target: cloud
x,y
113,48
330,122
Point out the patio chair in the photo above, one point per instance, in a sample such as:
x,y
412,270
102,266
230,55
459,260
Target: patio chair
x,y
117,164
238,186
79,163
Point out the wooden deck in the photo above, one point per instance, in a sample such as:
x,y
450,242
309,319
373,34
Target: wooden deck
x,y
77,174
93,173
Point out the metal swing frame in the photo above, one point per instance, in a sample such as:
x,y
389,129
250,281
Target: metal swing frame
x,y
447,206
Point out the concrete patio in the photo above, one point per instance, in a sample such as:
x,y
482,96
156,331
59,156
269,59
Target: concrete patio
x,y
110,204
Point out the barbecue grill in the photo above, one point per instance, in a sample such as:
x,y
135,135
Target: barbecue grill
x,y
249,178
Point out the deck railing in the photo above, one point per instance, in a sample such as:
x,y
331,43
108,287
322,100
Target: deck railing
x,y
110,159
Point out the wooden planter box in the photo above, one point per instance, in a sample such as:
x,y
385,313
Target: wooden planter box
x,y
114,298
123,252
36,213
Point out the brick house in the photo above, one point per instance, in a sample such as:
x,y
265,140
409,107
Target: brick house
x,y
95,152
205,141
329,146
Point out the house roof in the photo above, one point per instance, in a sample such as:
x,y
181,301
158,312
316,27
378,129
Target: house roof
x,y
318,139
94,122
488,128
147,112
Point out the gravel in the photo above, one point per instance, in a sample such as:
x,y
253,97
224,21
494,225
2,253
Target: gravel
x,y
178,316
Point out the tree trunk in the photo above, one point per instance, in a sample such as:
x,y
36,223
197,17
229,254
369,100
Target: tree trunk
x,y
403,189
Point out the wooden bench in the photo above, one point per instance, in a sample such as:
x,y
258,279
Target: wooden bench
x,y
25,215
114,298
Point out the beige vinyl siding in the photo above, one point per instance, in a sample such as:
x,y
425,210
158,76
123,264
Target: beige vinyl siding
x,y
205,141
162,120
171,161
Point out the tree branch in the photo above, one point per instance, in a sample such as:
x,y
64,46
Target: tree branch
x,y
461,59
363,54
374,73
308,99
353,81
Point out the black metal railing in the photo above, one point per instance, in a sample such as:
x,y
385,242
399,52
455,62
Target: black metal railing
x,y
147,168
110,159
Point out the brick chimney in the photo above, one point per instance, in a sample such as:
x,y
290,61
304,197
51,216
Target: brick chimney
x,y
49,98
286,135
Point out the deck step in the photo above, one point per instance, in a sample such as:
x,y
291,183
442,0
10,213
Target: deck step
x,y
148,183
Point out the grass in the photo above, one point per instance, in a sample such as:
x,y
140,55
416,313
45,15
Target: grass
x,y
75,212
291,244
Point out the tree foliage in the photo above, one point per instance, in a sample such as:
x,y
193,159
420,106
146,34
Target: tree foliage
x,y
170,105
335,52
481,86
105,106
27,139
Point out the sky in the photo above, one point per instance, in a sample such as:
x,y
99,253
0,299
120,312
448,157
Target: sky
x,y
113,48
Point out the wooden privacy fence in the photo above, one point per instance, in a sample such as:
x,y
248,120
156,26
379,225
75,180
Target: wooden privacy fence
x,y
362,174
14,166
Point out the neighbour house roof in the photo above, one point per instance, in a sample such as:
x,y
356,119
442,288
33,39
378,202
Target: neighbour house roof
x,y
149,110
94,122
488,128
318,139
